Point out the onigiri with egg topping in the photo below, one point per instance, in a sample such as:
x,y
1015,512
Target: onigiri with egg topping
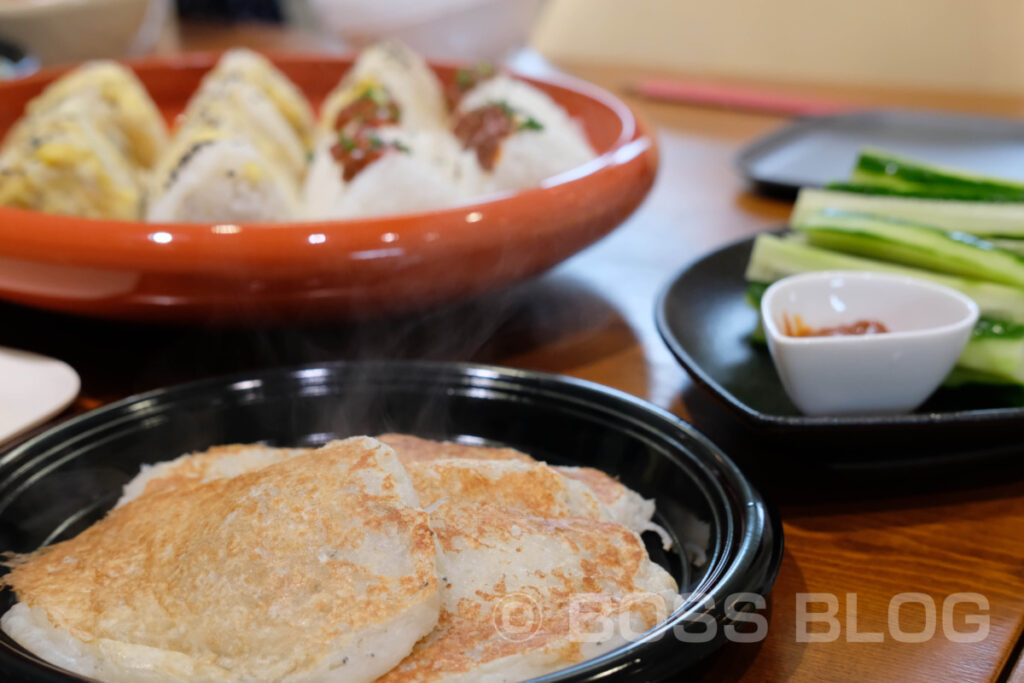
x,y
117,100
67,166
257,70
240,109
223,180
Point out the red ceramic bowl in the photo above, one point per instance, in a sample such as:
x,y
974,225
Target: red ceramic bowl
x,y
392,264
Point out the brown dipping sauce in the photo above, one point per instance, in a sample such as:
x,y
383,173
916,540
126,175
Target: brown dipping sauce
x,y
796,327
483,130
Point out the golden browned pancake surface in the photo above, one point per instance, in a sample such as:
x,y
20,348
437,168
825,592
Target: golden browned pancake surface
x,y
262,576
527,595
413,448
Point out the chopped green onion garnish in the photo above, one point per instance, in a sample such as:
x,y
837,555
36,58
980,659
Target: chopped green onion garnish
x,y
530,123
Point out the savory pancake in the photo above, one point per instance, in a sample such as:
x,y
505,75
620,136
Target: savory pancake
x,y
526,595
312,568
533,564
627,507
623,505
413,448
531,487
516,534
218,462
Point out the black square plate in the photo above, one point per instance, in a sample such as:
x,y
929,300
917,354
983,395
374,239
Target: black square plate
x,y
705,320
815,151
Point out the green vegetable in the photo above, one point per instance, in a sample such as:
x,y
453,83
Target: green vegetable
x,y
919,192
530,123
962,377
986,219
464,78
1001,358
521,120
346,142
897,241
374,94
892,173
1014,245
467,78
774,258
755,292
994,328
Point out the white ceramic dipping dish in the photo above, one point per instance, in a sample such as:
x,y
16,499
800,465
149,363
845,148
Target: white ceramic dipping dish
x,y
894,372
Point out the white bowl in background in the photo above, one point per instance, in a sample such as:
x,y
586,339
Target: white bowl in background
x,y
893,372
64,31
441,29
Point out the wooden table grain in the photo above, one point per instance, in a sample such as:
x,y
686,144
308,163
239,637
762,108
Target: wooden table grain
x,y
592,317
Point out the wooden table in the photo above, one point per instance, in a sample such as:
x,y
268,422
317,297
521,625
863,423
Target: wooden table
x,y
592,317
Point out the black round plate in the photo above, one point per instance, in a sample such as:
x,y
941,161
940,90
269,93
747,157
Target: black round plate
x,y
705,320
57,484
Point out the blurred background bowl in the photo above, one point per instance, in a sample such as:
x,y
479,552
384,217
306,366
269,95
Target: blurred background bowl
x,y
449,29
61,31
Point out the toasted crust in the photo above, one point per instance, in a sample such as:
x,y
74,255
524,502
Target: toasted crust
x,y
196,468
531,487
533,566
607,490
268,575
413,448
624,505
523,593
509,526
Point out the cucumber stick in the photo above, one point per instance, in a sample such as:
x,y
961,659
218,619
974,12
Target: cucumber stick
x,y
887,171
1016,246
774,258
985,219
999,358
962,377
897,241
919,192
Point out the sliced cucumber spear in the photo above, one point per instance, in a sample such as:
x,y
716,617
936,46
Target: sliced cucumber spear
x,y
897,241
889,172
985,219
998,357
919,192
774,258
